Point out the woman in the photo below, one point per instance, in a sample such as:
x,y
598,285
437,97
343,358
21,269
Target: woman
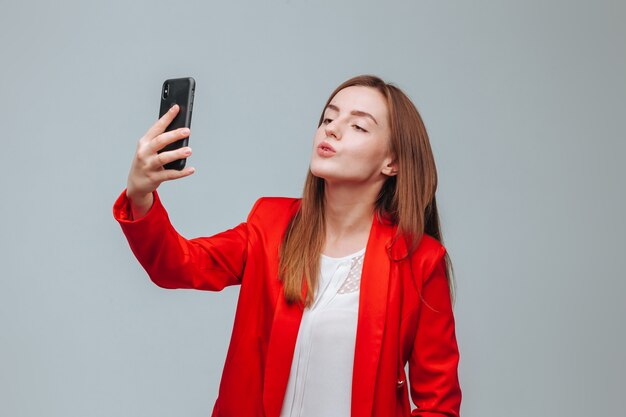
x,y
341,288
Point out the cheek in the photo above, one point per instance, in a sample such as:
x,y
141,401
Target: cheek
x,y
370,154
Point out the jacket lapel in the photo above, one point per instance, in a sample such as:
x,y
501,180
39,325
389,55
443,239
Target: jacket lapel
x,y
371,319
280,350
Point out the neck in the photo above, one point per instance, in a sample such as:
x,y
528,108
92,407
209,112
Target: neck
x,y
348,210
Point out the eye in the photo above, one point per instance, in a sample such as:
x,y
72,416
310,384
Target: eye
x,y
326,121
359,128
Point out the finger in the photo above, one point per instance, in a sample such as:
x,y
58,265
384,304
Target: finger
x,y
174,174
160,125
166,138
170,156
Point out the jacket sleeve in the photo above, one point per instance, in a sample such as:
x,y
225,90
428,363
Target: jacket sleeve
x,y
171,261
433,363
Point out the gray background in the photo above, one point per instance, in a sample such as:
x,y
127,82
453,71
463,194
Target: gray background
x,y
524,102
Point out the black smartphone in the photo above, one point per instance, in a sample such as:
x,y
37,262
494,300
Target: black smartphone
x,y
177,91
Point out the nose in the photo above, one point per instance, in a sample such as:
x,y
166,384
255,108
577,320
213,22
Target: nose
x,y
332,130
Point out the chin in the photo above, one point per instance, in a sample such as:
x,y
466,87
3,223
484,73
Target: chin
x,y
332,173
321,170
329,178
318,173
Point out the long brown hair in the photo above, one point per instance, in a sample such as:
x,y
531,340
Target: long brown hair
x,y
406,199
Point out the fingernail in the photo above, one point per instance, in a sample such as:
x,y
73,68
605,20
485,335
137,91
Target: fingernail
x,y
185,131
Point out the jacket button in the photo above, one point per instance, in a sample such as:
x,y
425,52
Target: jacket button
x,y
400,383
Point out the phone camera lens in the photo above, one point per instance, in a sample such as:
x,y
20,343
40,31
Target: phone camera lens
x,y
166,90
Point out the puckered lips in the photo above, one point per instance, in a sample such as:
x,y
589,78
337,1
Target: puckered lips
x,y
325,149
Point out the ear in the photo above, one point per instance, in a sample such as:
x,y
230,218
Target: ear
x,y
391,167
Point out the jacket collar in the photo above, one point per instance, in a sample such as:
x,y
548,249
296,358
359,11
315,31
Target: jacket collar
x,y
369,334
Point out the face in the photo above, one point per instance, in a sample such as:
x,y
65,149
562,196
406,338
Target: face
x,y
351,144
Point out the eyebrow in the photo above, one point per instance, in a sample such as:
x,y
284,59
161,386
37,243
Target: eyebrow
x,y
353,112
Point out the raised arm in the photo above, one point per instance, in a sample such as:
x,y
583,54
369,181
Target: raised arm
x,y
171,261
208,263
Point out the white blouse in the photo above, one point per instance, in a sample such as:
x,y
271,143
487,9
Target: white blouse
x,y
320,380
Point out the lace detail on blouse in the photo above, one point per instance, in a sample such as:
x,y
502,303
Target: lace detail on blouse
x,y
353,280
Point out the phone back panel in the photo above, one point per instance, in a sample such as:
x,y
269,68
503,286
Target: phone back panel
x,y
177,91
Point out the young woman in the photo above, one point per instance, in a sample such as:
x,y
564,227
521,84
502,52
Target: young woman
x,y
341,288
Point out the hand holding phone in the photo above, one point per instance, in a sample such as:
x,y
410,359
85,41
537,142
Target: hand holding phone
x,y
163,146
146,171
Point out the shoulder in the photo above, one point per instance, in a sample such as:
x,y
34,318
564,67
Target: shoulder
x,y
429,244
273,208
428,254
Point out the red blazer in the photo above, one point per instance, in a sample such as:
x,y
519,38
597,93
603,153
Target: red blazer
x,y
405,313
